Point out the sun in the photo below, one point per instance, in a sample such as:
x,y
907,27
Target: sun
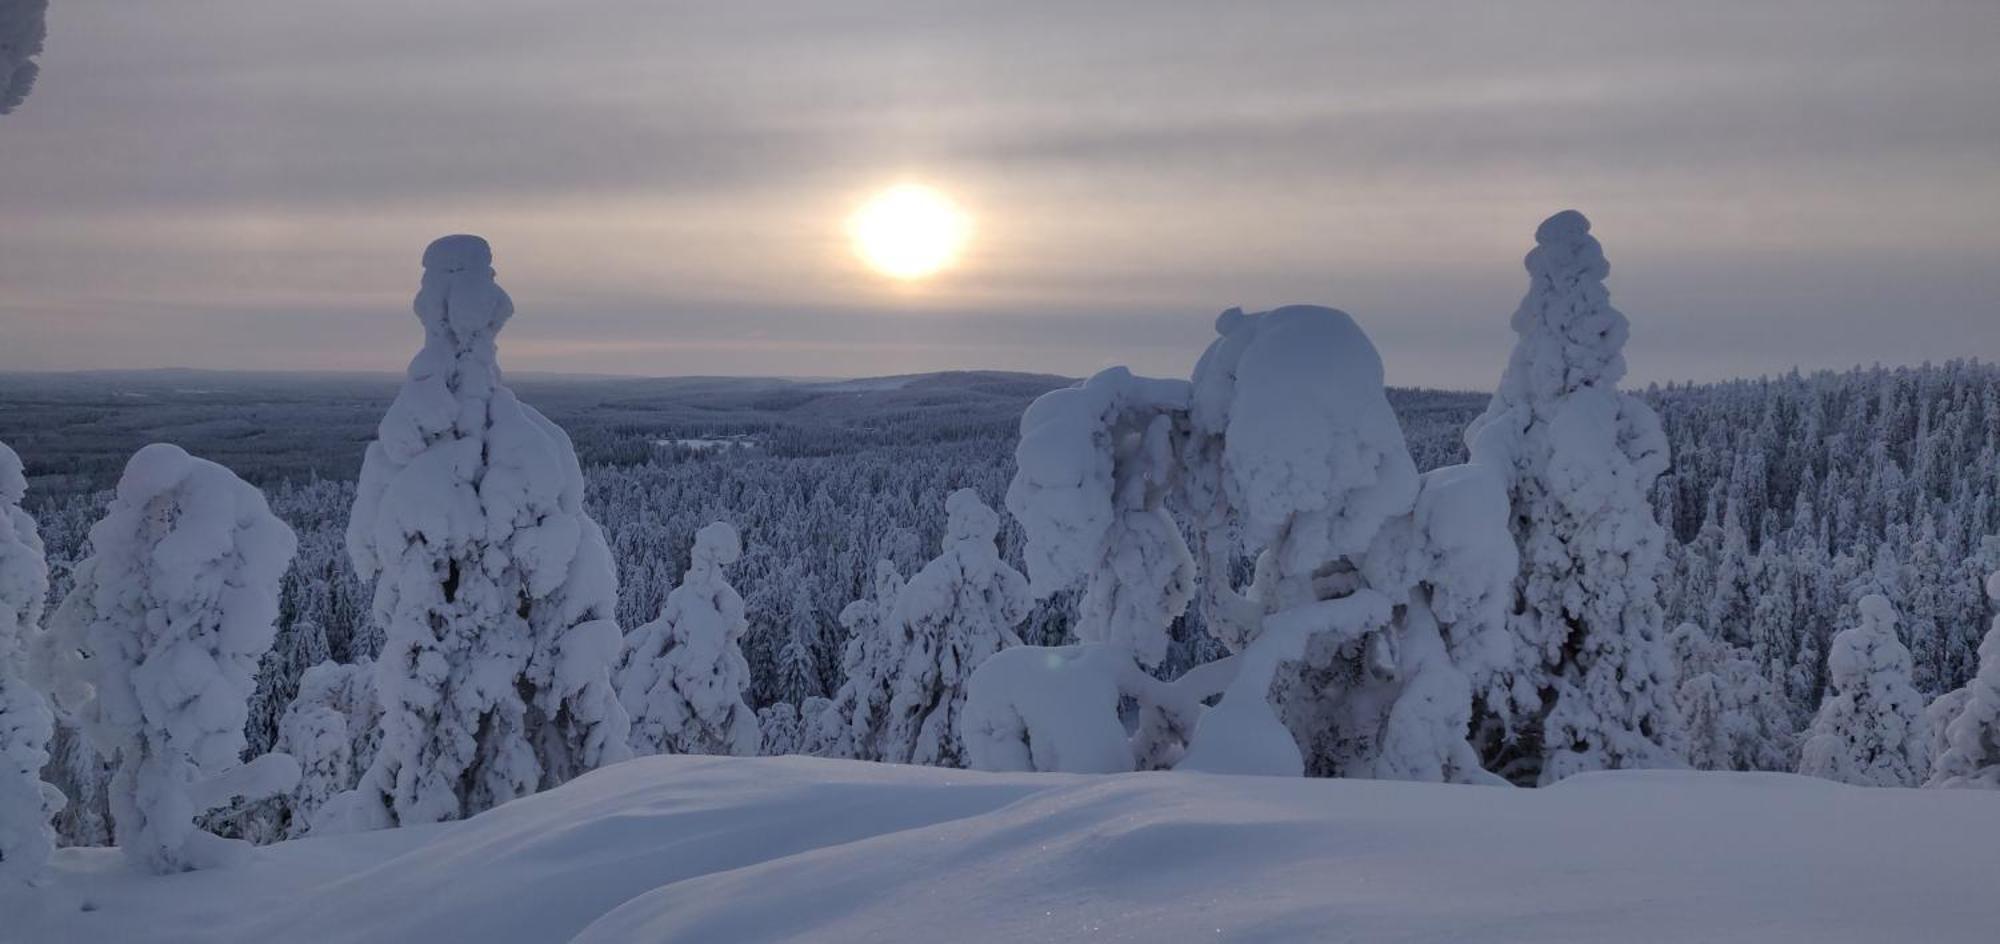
x,y
909,232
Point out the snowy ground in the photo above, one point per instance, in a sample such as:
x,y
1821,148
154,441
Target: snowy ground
x,y
720,851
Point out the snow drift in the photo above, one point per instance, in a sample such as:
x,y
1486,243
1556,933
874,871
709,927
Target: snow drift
x,y
717,849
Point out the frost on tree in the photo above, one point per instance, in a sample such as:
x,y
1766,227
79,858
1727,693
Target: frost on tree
x,y
1579,458
23,29
1735,717
957,611
26,723
161,638
332,729
1970,719
851,723
494,591
683,679
1870,730
1378,596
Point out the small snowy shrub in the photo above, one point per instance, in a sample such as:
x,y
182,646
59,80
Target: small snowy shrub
x,y
683,677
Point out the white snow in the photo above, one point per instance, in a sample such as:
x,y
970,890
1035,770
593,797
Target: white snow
x,y
1870,730
683,678
754,851
1967,720
26,723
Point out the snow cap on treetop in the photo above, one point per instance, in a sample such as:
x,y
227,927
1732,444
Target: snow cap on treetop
x,y
153,470
970,519
458,253
13,485
717,543
1563,245
1877,607
458,297
1993,585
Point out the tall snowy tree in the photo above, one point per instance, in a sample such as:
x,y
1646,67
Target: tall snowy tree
x,y
26,724
1736,718
1580,458
160,640
1971,719
1871,731
959,609
495,592
851,723
683,678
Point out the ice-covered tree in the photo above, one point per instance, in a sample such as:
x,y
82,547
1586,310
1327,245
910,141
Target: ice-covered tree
x,y
957,611
331,729
1871,730
683,678
1580,458
161,637
1970,717
23,29
494,590
26,723
1735,717
850,724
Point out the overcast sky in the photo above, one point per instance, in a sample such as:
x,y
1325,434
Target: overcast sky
x,y
249,183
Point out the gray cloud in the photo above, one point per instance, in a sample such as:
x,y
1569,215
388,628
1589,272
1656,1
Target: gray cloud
x,y
670,177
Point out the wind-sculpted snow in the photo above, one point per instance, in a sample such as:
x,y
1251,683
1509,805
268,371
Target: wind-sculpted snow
x,y
155,651
495,592
683,677
1580,459
765,850
26,724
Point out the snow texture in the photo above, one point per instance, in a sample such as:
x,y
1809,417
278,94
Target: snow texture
x,y
957,611
1970,719
162,633
1580,458
684,678
26,723
332,729
1871,730
1736,719
494,590
23,29
767,850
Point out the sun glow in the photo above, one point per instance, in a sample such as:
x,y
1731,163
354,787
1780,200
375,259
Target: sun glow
x,y
909,232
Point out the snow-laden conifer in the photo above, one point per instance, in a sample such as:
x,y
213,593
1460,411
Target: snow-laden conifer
x,y
160,640
850,724
1579,458
683,679
26,723
1871,729
1970,717
493,589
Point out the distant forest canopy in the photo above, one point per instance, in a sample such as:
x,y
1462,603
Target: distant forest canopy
x,y
1789,498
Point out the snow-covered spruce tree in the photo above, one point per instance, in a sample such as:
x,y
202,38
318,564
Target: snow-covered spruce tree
x,y
1871,729
494,590
850,724
958,610
1580,458
1970,717
23,29
683,677
332,729
161,636
1735,717
26,724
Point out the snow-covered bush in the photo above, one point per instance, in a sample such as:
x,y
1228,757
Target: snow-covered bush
x,y
494,590
683,677
161,637
957,611
1970,719
1871,729
850,724
332,730
26,724
1579,457
1736,719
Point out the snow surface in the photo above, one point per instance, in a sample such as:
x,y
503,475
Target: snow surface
x,y
713,849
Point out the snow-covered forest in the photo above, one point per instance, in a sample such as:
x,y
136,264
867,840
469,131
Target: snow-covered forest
x,y
1787,501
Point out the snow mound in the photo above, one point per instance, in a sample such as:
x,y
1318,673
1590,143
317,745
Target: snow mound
x,y
802,849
